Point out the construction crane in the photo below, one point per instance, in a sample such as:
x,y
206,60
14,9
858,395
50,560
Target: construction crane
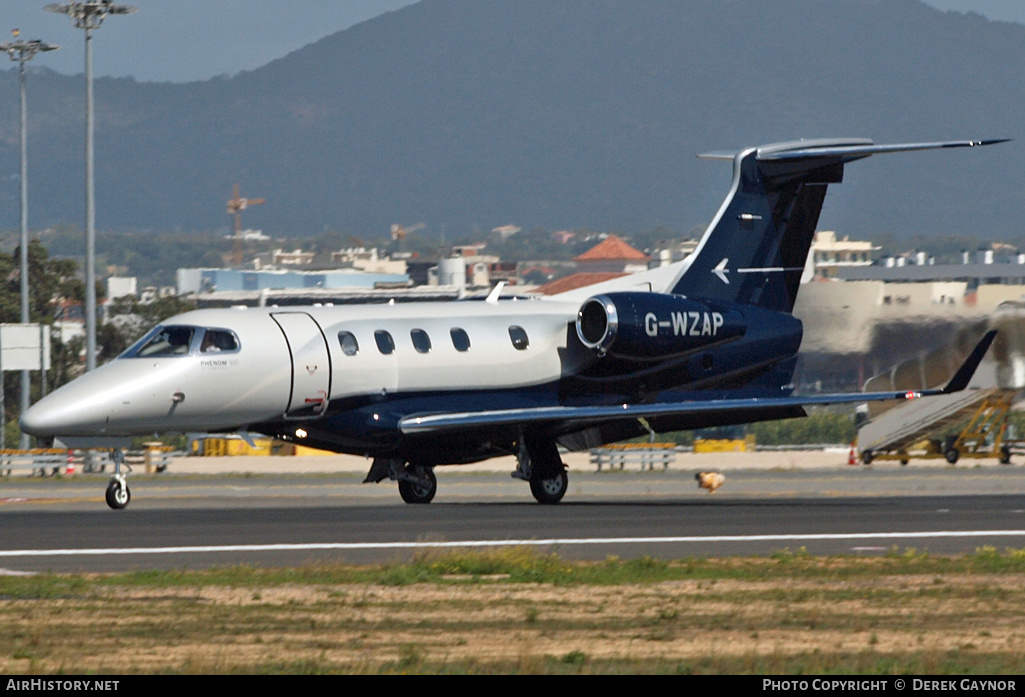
x,y
400,232
236,205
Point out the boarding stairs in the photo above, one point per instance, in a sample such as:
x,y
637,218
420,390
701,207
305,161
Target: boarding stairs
x,y
893,434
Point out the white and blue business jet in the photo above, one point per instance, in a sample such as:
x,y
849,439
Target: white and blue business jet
x,y
704,342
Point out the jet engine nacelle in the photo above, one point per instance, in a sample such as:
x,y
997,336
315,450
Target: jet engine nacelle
x,y
652,325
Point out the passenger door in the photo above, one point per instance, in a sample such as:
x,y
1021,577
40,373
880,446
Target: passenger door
x,y
311,365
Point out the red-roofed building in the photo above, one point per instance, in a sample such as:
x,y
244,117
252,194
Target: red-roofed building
x,y
610,259
612,255
577,280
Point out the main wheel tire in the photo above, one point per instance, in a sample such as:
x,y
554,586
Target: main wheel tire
x,y
866,457
550,490
952,455
118,497
421,491
1005,455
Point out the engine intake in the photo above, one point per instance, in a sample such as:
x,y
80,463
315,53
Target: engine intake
x,y
598,323
654,325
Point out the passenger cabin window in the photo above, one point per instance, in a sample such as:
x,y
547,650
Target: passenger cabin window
x,y
167,341
421,342
350,347
384,341
519,338
460,340
218,341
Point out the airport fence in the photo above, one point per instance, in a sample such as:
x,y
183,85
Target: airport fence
x,y
52,461
646,455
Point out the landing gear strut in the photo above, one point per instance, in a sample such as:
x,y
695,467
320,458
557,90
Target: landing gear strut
x,y
118,494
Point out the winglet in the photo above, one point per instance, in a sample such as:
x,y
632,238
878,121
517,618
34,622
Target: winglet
x,y
964,374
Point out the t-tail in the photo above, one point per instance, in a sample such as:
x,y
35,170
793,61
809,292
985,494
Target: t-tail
x,y
755,250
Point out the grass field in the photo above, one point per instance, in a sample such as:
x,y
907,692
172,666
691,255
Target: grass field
x,y
519,612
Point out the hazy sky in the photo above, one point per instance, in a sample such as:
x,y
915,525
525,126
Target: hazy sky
x,y
184,40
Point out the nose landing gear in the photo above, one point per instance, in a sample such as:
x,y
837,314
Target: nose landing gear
x,y
118,494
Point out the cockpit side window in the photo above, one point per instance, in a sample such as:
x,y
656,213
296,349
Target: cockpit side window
x,y
165,341
218,341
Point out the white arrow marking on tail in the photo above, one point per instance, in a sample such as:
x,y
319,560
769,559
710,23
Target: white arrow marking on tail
x,y
721,271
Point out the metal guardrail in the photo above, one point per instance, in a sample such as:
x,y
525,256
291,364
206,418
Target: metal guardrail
x,y
647,455
52,462
39,460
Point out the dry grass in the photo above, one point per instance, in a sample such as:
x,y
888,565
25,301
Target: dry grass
x,y
840,618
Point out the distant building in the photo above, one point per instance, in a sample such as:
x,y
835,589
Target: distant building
x,y
612,255
609,259
206,280
296,257
120,286
830,255
367,260
506,231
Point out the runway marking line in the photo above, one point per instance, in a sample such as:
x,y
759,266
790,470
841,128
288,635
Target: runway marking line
x,y
503,543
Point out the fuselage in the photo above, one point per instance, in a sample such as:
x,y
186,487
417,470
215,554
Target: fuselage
x,y
341,377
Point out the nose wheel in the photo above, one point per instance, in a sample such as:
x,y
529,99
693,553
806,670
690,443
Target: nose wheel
x,y
118,494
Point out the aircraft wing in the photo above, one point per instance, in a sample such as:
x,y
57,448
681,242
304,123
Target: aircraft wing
x,y
435,423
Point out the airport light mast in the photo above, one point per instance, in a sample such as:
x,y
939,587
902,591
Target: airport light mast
x,y
22,52
89,15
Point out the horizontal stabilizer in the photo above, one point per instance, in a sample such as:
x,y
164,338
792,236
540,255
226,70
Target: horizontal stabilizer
x,y
844,149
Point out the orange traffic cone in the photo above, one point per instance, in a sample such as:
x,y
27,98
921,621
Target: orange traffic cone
x,y
852,458
70,469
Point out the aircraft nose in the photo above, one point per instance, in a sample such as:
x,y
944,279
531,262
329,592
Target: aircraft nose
x,y
79,408
38,420
53,417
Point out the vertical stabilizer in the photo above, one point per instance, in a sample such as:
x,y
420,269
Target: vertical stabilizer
x,y
755,250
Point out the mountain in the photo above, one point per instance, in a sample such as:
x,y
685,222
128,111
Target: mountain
x,y
469,114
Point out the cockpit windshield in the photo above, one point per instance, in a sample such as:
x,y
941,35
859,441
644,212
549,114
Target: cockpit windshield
x,y
167,341
181,340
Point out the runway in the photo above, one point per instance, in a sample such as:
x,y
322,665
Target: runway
x,y
194,521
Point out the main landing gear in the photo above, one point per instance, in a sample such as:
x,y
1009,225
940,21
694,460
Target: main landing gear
x,y
118,494
540,464
417,483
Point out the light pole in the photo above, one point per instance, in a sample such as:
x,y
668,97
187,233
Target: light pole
x,y
89,15
22,52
